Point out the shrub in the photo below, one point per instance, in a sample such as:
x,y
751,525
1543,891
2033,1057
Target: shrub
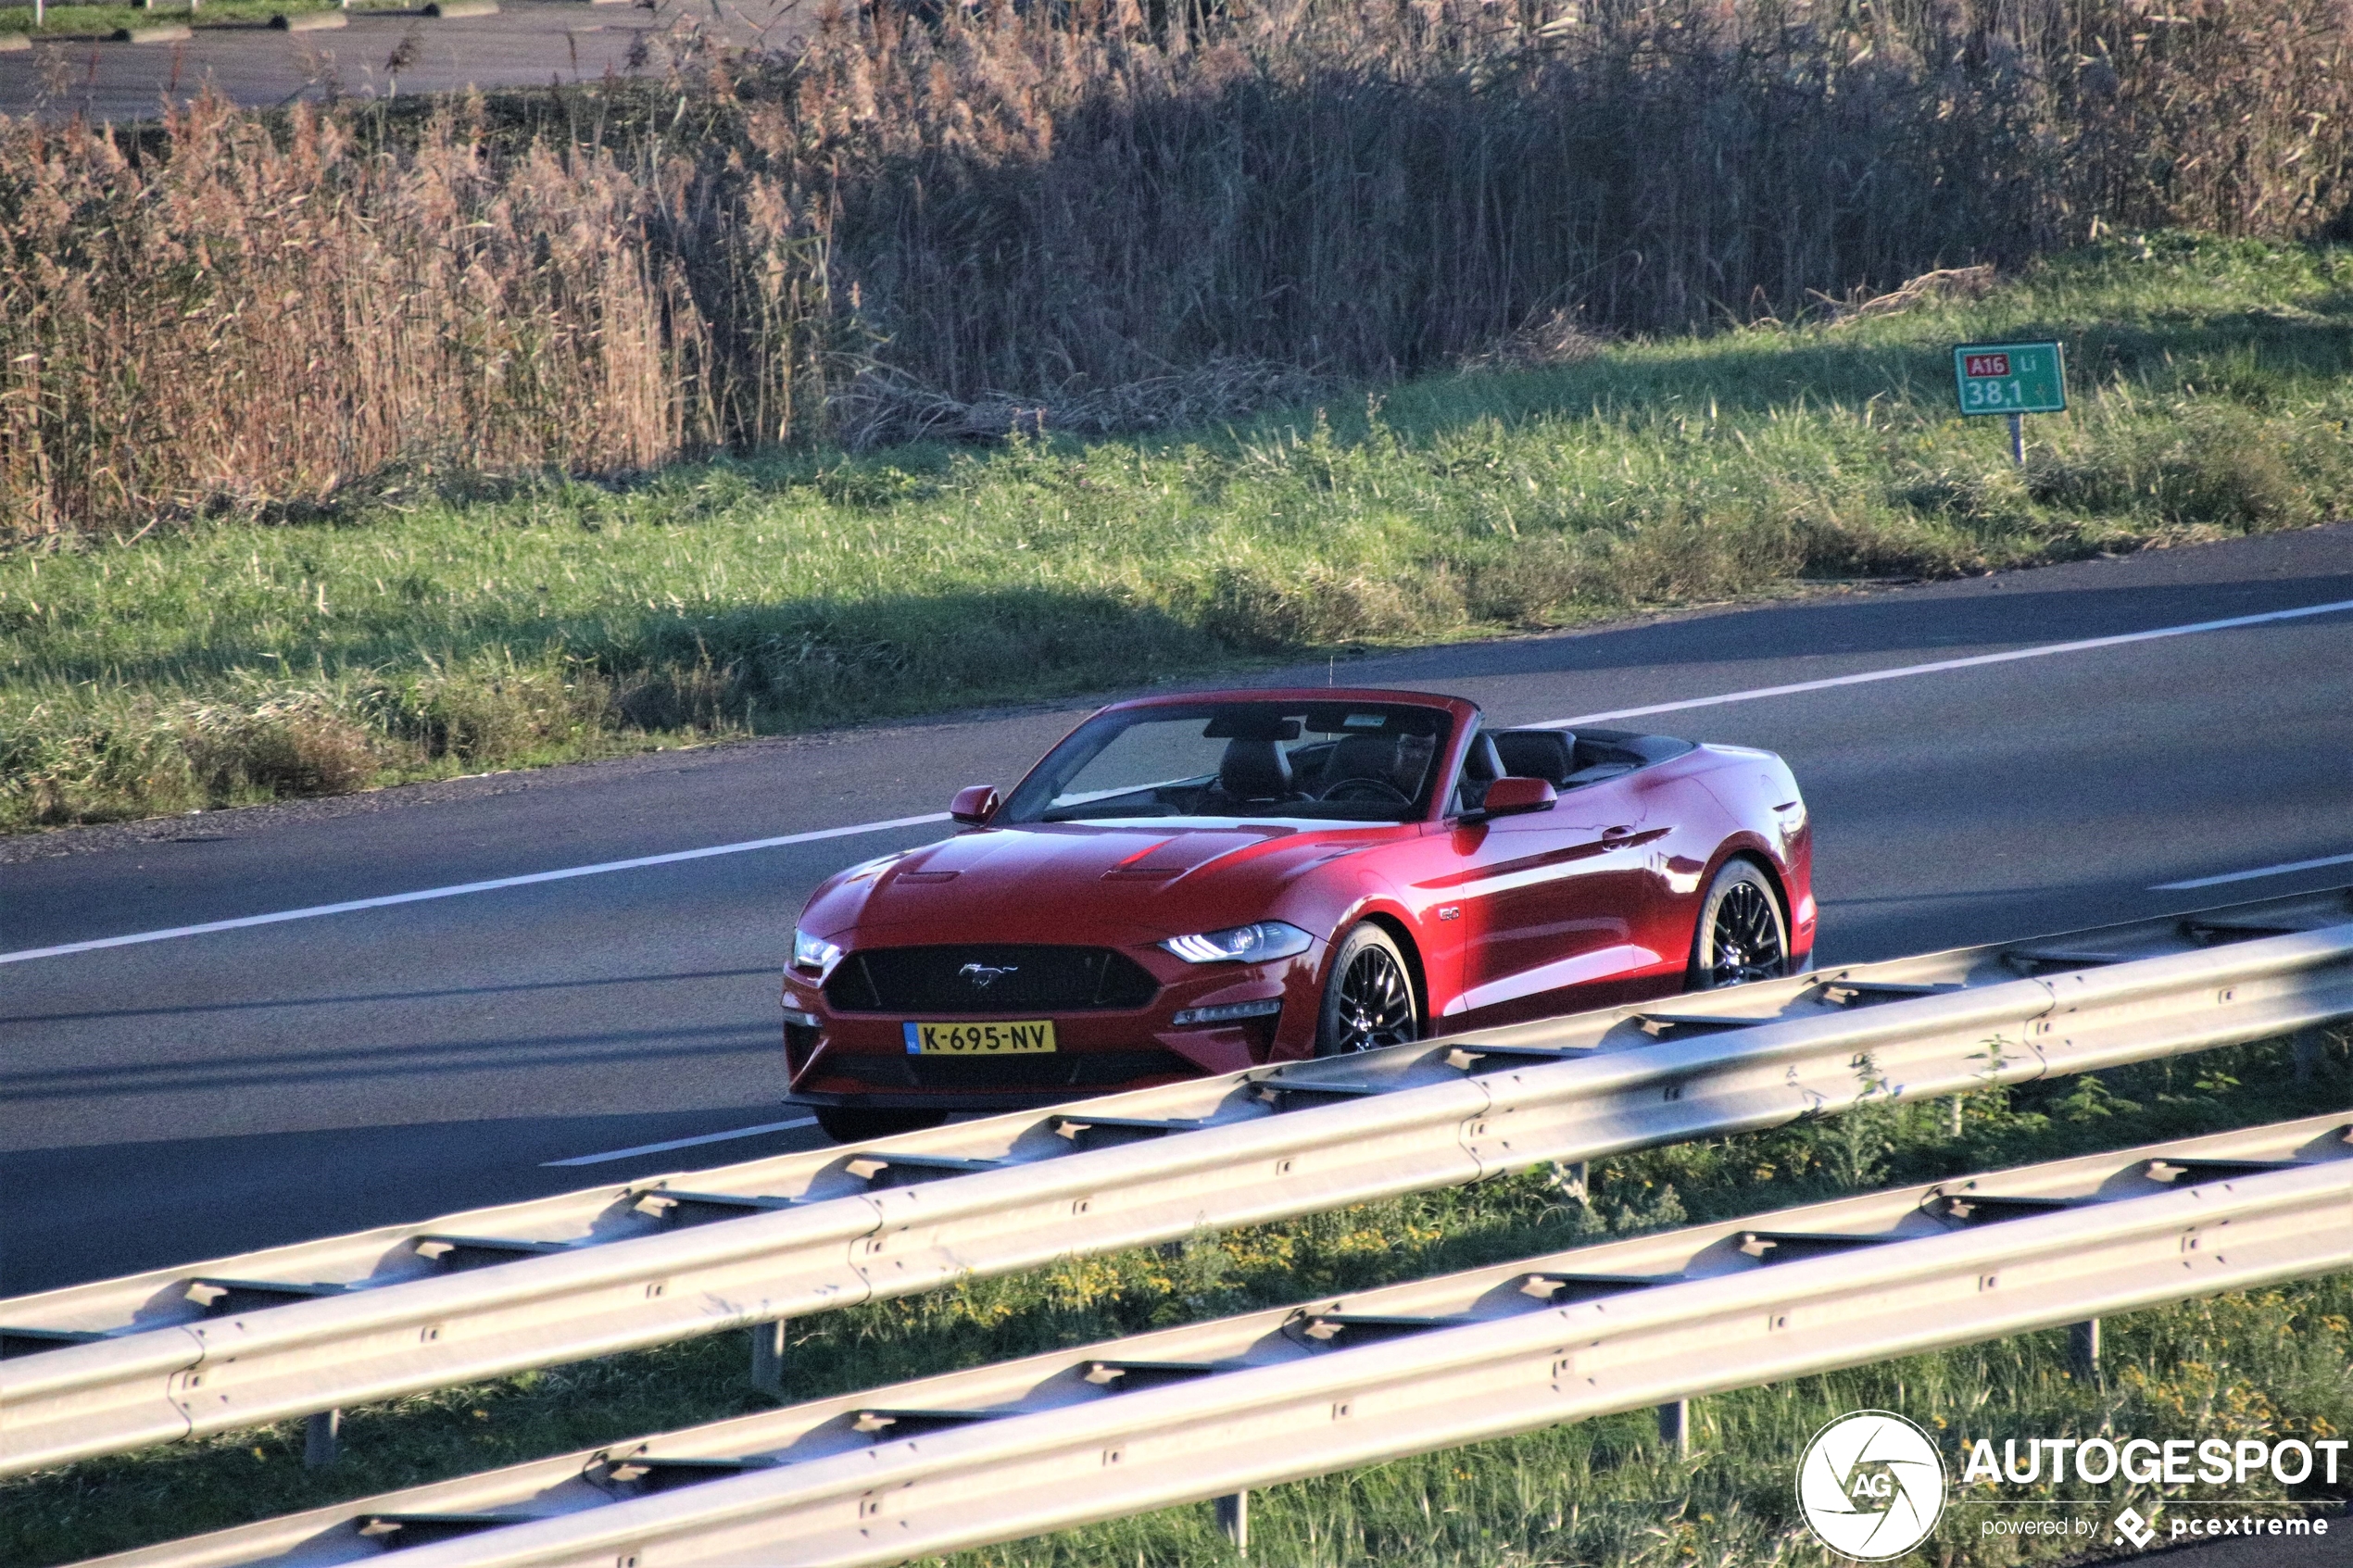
x,y
487,709
293,745
55,775
2221,466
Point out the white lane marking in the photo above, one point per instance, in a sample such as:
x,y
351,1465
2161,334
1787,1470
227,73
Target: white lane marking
x,y
494,884
2044,650
2250,876
681,1143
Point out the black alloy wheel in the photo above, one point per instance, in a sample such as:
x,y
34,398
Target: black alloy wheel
x,y
847,1124
1368,999
1741,935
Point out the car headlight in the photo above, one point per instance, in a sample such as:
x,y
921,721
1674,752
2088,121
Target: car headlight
x,y
1255,943
813,955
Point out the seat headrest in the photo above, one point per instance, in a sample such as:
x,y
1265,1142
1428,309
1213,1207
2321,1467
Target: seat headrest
x,y
1483,765
1362,756
1537,754
1254,770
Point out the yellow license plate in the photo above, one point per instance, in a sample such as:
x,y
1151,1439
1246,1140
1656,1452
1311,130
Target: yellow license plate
x,y
1026,1037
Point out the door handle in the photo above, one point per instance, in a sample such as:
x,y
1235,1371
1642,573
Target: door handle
x,y
1618,834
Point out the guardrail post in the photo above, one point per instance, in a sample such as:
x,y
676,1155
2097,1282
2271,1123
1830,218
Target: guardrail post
x,y
1233,1517
321,1439
2083,1349
1675,1427
1571,1177
2308,1055
768,1356
1953,1116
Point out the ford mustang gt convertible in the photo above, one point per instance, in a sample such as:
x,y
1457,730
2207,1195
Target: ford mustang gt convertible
x,y
1192,884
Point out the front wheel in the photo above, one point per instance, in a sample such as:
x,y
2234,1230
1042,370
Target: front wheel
x,y
1742,934
1368,998
844,1124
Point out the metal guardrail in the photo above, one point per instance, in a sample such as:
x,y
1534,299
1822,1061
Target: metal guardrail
x,y
1213,1408
298,1330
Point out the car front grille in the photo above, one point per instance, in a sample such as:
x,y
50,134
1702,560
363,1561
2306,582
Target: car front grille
x,y
1001,978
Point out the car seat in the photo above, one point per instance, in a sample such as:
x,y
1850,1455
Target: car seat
x,y
1363,757
1548,755
1254,770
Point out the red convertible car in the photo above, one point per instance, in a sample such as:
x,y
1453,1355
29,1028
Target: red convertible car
x,y
1192,884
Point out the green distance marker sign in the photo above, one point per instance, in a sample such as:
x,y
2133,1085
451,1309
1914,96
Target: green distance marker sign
x,y
2010,378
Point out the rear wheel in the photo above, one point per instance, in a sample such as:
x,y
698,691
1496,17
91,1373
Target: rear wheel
x,y
1742,934
844,1124
1368,999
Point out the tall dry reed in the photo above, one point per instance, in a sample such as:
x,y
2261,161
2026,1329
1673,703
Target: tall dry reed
x,y
1371,188
248,314
1001,217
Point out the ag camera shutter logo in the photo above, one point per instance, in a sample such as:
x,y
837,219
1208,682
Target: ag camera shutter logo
x,y
1872,1485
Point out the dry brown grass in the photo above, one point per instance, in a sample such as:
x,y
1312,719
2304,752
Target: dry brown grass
x,y
1077,217
883,406
1945,283
1367,189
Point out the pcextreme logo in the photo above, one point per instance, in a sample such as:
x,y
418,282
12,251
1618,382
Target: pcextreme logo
x,y
1872,1485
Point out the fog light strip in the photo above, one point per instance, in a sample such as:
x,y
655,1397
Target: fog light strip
x,y
1228,1012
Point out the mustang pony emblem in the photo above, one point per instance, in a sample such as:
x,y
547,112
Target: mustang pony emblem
x,y
985,975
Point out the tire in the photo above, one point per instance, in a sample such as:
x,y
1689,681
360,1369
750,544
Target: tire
x,y
1368,995
1742,934
844,1124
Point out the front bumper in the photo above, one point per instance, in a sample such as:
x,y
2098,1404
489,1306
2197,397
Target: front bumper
x,y
868,1082
860,1060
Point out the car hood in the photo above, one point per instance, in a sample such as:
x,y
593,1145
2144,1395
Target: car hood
x,y
1046,883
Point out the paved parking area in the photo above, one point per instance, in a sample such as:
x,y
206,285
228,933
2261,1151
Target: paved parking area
x,y
527,43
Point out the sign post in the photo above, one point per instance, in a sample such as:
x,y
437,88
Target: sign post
x,y
2016,379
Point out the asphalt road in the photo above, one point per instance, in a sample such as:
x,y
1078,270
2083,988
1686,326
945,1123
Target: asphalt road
x,y
376,54
176,1100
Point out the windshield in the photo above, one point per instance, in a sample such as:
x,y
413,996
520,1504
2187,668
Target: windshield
x,y
1368,762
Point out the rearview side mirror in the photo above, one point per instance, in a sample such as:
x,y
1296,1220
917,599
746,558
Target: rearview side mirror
x,y
974,805
1509,797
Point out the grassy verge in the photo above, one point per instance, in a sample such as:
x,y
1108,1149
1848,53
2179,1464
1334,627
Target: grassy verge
x,y
420,630
2272,1362
62,22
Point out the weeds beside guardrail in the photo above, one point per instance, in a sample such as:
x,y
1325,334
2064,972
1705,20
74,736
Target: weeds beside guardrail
x,y
1588,1492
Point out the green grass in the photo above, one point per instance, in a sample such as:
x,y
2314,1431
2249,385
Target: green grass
x,y
1602,1493
61,22
428,625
